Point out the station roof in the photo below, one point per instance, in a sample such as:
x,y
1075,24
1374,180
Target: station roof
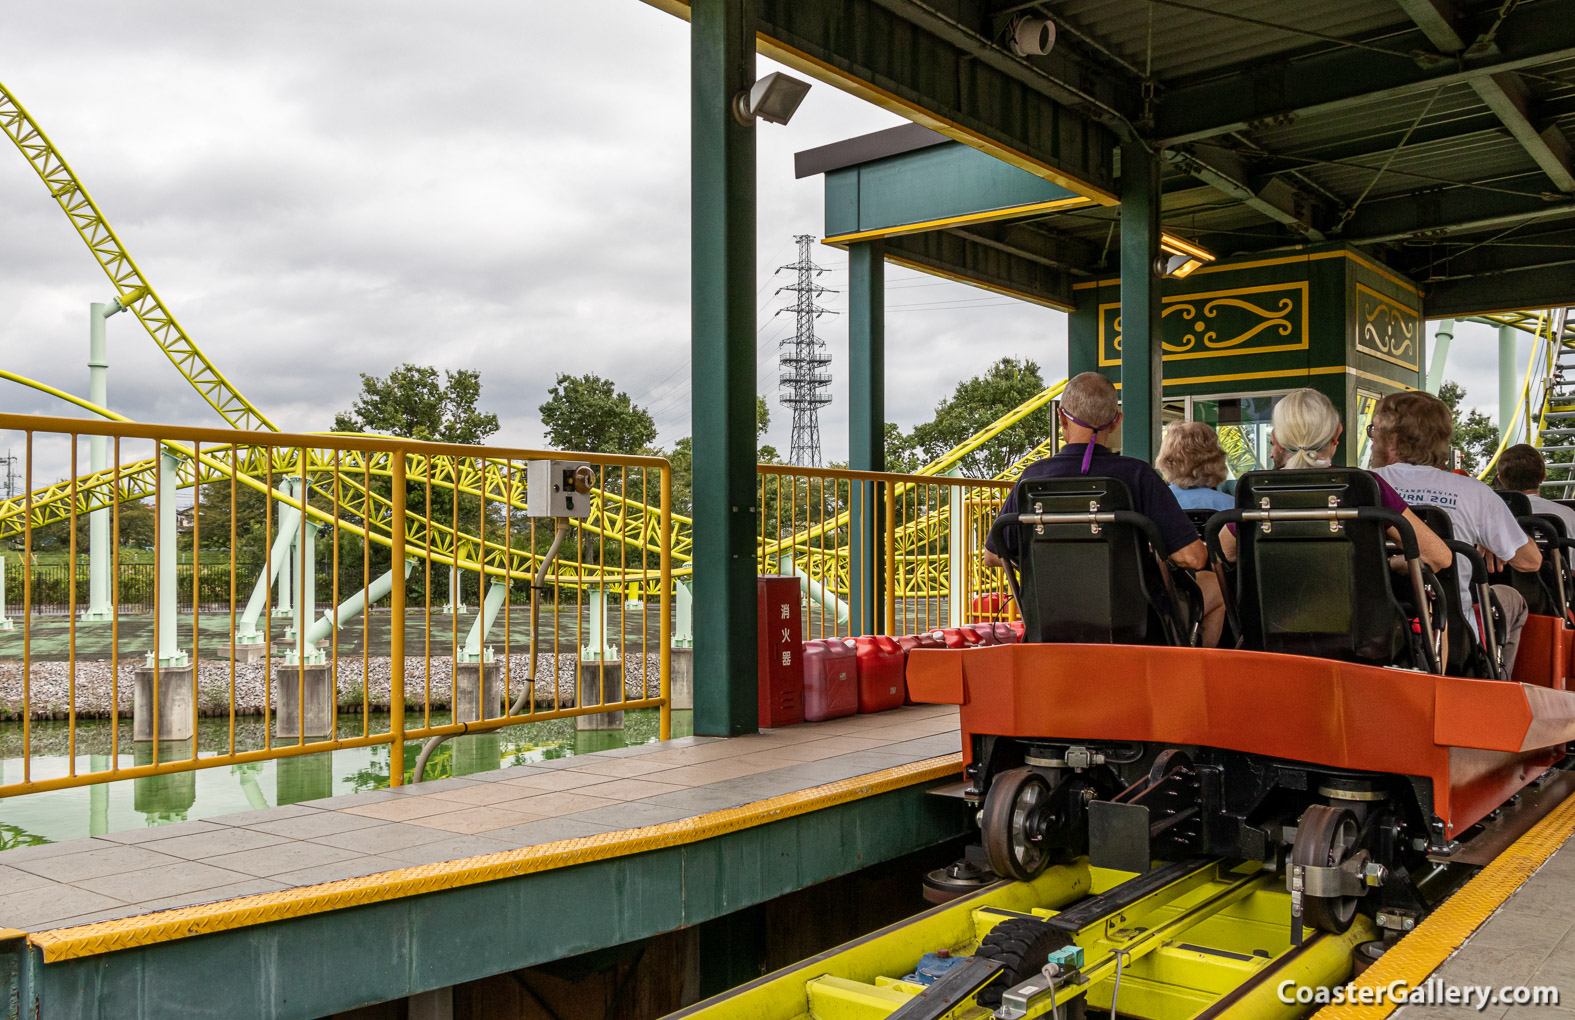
x,y
1435,134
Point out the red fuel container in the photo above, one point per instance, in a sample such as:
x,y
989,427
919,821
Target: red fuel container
x,y
831,680
882,684
908,642
959,637
780,632
986,632
1007,634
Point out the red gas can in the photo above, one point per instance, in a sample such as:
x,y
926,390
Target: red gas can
x,y
986,632
780,633
959,637
908,642
881,681
1006,634
831,680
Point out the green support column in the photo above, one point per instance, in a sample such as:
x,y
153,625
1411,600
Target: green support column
x,y
1140,302
867,429
722,247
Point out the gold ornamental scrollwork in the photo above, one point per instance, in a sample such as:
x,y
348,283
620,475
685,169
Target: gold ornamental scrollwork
x,y
1243,321
1387,330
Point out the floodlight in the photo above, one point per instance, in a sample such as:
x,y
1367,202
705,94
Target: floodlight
x,y
1032,37
1179,258
773,98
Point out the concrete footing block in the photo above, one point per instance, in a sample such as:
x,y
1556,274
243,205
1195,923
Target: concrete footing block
x,y
478,691
681,679
600,683
174,700
319,714
246,654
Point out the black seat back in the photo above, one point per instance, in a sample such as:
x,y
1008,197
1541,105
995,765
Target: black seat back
x,y
1542,588
1199,518
1082,582
1468,654
1311,587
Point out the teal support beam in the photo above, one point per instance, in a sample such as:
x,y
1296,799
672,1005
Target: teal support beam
x,y
866,430
722,366
1508,392
1140,302
1435,367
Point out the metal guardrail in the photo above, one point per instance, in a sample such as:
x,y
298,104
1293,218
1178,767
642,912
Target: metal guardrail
x,y
383,665
913,543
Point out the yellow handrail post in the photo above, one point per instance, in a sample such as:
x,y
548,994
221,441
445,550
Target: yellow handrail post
x,y
396,629
665,645
891,558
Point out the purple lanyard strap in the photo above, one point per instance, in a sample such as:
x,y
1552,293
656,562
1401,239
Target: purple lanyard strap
x,y
1088,451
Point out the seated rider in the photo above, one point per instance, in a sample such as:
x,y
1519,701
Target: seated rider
x,y
1306,433
1522,469
1411,434
1090,410
1193,462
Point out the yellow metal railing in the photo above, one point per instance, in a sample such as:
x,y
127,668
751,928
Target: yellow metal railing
x,y
893,535
193,679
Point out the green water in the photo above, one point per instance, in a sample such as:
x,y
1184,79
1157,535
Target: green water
x,y
56,815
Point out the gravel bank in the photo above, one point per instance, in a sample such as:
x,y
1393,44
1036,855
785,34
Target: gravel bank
x,y
50,684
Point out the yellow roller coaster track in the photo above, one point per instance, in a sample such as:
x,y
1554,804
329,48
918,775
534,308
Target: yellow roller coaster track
x,y
614,516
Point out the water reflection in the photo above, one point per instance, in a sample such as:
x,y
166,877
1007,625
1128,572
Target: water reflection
x,y
305,777
205,793
167,798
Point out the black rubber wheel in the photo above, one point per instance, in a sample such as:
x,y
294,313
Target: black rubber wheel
x,y
1013,798
1022,945
1324,838
955,880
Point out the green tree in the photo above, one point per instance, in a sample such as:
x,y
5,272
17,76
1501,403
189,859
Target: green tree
x,y
137,526
682,458
901,457
587,412
1475,435
414,403
976,403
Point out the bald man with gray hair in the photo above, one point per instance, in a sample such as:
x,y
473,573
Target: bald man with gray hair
x,y
1091,411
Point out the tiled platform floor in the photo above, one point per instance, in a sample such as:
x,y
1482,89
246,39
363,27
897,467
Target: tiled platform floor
x,y
143,870
1530,940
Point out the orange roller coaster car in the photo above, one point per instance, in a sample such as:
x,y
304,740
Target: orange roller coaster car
x,y
1329,744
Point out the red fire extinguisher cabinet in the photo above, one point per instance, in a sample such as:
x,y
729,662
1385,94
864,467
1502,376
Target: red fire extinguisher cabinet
x,y
781,659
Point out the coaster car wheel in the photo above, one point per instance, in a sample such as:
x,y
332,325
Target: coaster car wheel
x,y
1011,823
1325,837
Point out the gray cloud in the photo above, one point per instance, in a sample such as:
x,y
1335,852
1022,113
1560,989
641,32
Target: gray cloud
x,y
327,188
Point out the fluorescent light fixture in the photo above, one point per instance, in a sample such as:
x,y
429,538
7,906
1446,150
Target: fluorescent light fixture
x,y
773,98
1180,266
1173,245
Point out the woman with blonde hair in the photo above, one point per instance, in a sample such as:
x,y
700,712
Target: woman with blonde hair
x,y
1193,462
1307,431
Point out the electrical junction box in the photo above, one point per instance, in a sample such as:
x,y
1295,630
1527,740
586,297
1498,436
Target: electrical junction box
x,y
558,488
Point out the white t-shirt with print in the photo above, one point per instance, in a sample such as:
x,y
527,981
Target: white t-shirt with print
x,y
1479,515
1559,510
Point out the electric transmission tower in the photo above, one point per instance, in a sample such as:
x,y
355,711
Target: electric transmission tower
x,y
805,361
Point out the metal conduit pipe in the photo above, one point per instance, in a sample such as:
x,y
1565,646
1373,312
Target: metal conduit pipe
x,y
529,687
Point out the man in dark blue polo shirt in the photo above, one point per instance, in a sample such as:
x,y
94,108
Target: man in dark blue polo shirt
x,y
1090,410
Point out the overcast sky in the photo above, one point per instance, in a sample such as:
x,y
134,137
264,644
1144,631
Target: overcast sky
x,y
319,189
